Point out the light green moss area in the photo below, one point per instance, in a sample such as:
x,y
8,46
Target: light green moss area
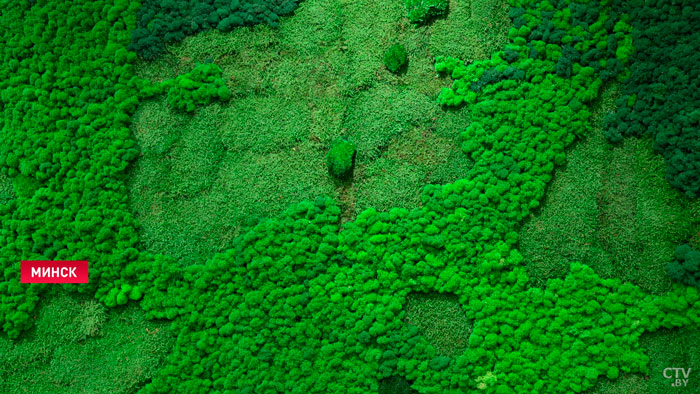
x,y
6,190
78,346
611,208
319,76
440,318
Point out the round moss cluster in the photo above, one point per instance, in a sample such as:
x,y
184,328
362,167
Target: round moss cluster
x,y
341,159
395,58
686,267
198,87
421,11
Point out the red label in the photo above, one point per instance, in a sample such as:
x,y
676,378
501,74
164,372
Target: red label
x,y
54,271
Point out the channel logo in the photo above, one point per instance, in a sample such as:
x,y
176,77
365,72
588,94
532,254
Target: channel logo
x,y
54,271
